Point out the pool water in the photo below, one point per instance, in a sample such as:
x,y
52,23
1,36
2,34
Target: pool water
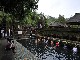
x,y
49,53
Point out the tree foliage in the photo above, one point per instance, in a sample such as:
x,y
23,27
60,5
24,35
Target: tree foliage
x,y
60,19
34,19
50,19
18,8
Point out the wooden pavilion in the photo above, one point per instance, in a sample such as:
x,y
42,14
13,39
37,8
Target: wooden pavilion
x,y
74,25
74,22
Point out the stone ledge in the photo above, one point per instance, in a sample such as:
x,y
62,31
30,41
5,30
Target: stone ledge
x,y
22,52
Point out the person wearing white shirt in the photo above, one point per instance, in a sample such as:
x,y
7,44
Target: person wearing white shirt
x,y
74,49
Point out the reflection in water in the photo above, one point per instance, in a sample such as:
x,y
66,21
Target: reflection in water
x,y
49,53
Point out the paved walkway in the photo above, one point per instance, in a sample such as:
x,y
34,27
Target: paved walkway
x,y
21,52
5,55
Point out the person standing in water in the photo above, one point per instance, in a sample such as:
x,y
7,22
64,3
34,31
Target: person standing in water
x,y
74,50
57,44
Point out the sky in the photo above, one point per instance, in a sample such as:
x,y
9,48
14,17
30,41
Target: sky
x,y
53,8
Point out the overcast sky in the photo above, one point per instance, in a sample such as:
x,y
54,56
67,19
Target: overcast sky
x,y
56,7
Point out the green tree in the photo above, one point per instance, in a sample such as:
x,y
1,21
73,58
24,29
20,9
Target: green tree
x,y
32,19
61,19
50,19
18,8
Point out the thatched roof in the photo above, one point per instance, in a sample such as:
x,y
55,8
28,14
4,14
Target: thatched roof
x,y
75,18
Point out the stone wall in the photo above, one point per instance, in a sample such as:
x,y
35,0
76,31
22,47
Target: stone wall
x,y
22,53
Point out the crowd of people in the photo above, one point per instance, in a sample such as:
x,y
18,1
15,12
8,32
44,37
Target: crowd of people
x,y
48,42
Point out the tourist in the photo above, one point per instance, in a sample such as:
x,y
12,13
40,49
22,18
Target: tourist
x,y
8,40
52,43
65,47
61,44
49,41
78,47
69,46
8,46
12,47
36,41
39,40
74,50
57,44
46,42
